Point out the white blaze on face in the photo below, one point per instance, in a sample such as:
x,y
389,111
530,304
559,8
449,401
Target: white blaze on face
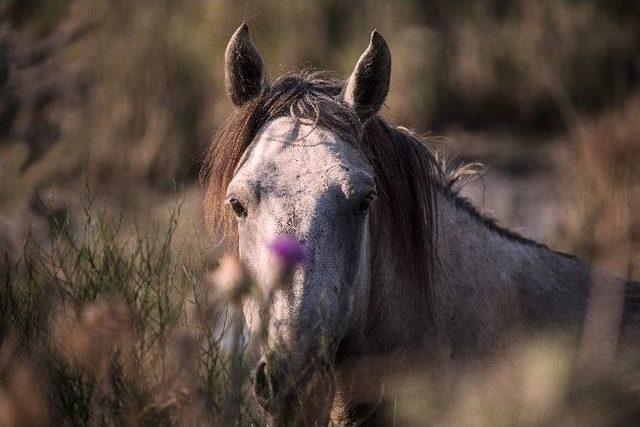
x,y
306,182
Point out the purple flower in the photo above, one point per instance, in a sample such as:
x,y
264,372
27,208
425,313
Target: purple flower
x,y
288,251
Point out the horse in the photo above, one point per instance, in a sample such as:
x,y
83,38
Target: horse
x,y
401,269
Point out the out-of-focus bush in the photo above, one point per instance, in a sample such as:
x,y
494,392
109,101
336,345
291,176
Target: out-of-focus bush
x,y
524,61
132,91
115,89
109,328
602,222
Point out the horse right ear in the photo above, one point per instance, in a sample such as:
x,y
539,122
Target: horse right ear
x,y
367,87
244,75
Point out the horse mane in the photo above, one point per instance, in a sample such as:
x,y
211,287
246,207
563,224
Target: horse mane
x,y
407,173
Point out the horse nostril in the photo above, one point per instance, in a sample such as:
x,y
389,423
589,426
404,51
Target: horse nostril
x,y
263,386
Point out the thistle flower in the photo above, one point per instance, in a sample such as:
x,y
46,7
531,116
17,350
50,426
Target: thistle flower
x,y
231,280
288,253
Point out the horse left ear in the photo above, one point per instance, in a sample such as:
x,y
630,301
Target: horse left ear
x,y
244,75
368,85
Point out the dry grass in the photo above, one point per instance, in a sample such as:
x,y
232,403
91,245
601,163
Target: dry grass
x,y
119,326
602,222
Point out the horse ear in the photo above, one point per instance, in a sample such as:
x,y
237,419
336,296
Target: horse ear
x,y
368,85
244,75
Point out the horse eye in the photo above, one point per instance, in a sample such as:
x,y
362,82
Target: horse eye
x,y
238,208
365,203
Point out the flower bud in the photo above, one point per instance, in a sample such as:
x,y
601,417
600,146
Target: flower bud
x,y
231,280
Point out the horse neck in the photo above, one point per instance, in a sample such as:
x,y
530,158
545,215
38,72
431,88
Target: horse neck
x,y
490,281
498,281
397,314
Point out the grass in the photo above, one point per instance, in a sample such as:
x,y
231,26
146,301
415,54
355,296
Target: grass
x,y
601,222
117,322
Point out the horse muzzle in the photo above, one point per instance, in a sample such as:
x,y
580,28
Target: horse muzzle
x,y
294,396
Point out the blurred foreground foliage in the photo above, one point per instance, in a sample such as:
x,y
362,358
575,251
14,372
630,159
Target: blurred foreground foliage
x,y
105,327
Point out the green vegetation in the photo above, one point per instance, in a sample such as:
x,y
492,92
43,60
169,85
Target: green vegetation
x,y
113,326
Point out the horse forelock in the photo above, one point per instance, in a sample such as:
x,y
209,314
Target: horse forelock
x,y
407,173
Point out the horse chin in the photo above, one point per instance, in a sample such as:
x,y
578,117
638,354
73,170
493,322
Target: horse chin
x,y
311,406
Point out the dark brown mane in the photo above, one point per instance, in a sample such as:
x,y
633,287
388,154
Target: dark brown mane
x,y
407,177
405,215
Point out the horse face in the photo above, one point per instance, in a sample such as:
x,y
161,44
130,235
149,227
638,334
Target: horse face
x,y
305,182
